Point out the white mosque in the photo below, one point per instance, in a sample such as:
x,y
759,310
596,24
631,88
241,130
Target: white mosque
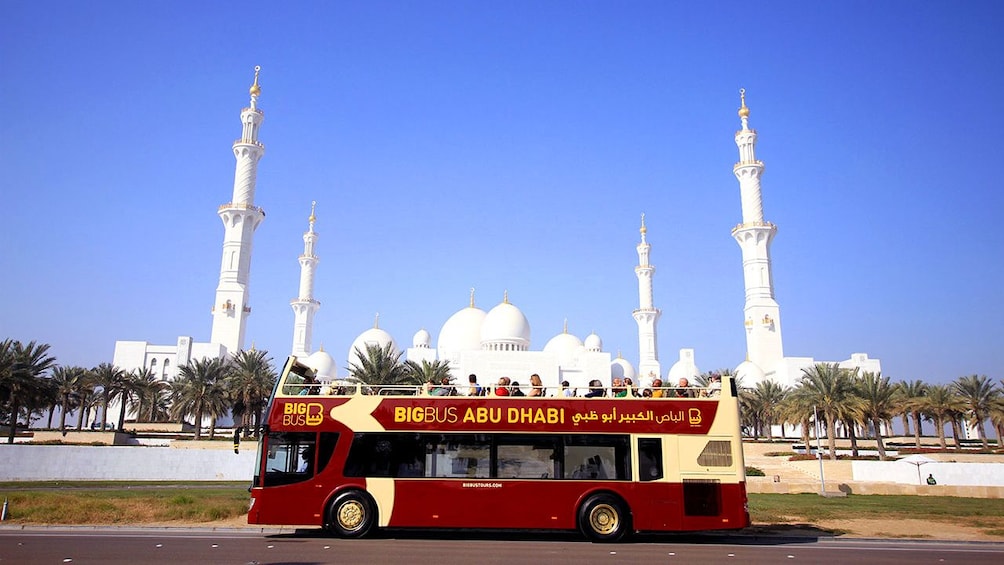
x,y
495,343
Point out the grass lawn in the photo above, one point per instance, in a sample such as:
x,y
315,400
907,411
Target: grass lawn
x,y
986,514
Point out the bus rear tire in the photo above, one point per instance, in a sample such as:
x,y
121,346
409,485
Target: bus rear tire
x,y
604,518
351,514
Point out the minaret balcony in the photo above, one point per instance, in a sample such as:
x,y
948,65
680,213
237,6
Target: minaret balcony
x,y
243,142
258,111
751,225
240,206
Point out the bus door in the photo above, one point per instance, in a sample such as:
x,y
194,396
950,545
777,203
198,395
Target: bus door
x,y
657,493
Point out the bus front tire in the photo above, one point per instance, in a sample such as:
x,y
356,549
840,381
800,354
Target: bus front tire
x,y
351,515
604,518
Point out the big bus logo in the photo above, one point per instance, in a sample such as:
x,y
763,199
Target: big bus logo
x,y
695,416
302,414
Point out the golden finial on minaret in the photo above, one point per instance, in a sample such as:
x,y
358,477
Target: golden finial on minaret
x,y
644,230
505,297
312,218
744,111
255,90
321,348
472,297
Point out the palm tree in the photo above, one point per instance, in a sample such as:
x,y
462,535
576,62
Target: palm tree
x,y
85,397
111,380
942,405
765,402
978,393
21,366
997,419
250,385
796,409
878,402
428,372
831,390
379,366
67,381
149,391
199,390
130,392
910,397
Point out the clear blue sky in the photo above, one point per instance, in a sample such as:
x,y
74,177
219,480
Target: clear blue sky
x,y
510,145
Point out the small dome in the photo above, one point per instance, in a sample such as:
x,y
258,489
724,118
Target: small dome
x,y
372,336
422,339
505,328
621,368
593,342
462,332
563,344
322,363
684,368
748,374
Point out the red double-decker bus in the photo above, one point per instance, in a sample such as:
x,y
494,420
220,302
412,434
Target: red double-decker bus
x,y
397,457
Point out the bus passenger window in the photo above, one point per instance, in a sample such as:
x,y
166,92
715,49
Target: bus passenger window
x,y
649,459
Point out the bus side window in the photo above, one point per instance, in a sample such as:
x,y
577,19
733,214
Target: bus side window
x,y
649,459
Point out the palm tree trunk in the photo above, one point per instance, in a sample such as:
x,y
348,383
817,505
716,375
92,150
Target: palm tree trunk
x,y
104,411
198,421
52,414
982,433
831,436
955,433
917,430
853,436
122,412
878,439
62,413
212,428
14,409
939,425
906,423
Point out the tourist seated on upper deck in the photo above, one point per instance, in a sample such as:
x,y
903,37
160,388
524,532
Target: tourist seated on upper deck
x,y
657,390
514,390
682,389
565,390
616,387
627,390
536,387
714,386
444,388
595,389
502,388
646,393
310,385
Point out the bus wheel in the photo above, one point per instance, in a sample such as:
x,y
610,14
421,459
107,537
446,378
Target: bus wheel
x,y
351,515
604,518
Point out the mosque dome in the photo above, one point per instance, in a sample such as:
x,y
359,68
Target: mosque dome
x,y
683,369
621,368
748,374
422,339
563,344
462,332
372,336
593,342
505,328
323,365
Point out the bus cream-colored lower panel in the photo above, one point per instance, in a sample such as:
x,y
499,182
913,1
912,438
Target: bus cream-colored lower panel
x,y
382,491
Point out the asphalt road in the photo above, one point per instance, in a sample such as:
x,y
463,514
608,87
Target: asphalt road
x,y
114,545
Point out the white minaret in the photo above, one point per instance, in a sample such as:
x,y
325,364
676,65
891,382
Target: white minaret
x,y
240,219
304,307
646,315
762,314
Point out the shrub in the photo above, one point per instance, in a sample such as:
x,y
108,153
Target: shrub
x,y
754,472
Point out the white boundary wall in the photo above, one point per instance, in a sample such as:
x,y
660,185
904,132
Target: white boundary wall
x,y
945,473
124,463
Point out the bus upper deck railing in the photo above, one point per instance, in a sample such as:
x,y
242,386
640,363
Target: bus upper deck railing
x,y
451,391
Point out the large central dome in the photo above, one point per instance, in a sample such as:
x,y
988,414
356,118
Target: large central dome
x,y
462,332
505,329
